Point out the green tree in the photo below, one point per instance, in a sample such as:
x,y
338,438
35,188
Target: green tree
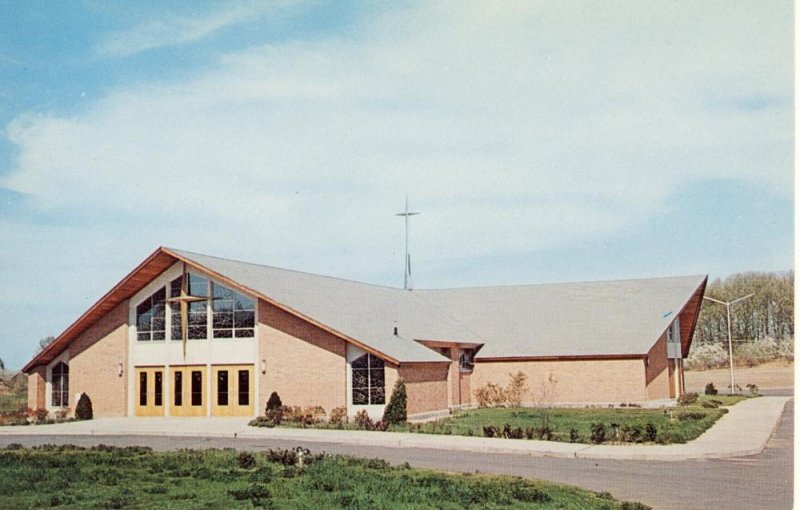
x,y
769,313
83,411
395,411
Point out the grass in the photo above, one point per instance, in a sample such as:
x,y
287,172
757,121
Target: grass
x,y
104,477
674,425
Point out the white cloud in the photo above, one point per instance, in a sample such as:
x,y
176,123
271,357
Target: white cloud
x,y
517,129
173,30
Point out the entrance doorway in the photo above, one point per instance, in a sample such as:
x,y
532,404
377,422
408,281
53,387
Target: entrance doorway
x,y
188,395
149,391
232,390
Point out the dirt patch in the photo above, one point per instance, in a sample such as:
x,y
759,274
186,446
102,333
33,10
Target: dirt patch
x,y
770,375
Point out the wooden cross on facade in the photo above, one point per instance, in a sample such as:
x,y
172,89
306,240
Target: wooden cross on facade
x,y
184,299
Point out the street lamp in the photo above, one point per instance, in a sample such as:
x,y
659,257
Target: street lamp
x,y
730,342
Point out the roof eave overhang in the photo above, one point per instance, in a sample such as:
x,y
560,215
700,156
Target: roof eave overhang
x,y
156,263
570,357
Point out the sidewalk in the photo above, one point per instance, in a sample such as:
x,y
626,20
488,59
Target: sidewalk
x,y
745,430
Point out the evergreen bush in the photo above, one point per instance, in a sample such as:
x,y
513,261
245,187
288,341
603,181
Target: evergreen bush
x,y
395,411
83,411
711,389
274,402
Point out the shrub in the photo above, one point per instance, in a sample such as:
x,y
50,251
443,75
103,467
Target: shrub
x,y
246,460
691,415
650,432
711,389
710,404
255,493
574,437
753,389
83,411
517,388
338,415
395,411
38,415
61,414
631,434
274,402
491,431
362,420
274,410
598,433
687,399
491,395
634,505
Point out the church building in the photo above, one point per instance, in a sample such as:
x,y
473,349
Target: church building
x,y
189,335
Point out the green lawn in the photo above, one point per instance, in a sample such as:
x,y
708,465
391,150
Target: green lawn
x,y
675,425
69,477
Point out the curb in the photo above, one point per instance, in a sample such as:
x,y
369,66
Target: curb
x,y
698,449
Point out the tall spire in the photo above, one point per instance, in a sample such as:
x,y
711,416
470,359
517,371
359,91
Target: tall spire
x,y
407,263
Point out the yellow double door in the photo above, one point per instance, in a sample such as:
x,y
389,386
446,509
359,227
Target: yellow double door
x,y
230,390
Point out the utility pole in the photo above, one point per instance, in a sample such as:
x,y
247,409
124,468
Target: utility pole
x,y
730,341
407,263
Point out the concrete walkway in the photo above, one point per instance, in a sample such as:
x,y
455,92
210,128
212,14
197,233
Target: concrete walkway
x,y
743,431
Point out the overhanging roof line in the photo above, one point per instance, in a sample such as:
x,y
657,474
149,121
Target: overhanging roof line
x,y
62,341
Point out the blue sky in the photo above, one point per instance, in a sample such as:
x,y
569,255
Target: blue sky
x,y
542,142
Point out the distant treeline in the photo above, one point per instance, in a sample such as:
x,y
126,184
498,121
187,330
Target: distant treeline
x,y
769,313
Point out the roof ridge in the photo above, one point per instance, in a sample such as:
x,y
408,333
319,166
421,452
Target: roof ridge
x,y
307,273
559,284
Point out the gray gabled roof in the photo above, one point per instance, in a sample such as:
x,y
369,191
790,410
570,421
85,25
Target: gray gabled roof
x,y
569,319
573,319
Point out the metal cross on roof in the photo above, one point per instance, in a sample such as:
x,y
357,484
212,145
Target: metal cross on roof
x,y
407,269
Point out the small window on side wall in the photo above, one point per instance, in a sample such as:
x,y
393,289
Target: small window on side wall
x,y
465,360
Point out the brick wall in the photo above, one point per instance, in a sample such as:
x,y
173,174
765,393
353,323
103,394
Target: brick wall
x,y
94,358
306,365
36,388
578,381
426,386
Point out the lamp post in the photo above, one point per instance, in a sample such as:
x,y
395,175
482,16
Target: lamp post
x,y
730,341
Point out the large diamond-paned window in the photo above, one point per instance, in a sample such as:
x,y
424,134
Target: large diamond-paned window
x,y
369,385
151,317
60,385
233,314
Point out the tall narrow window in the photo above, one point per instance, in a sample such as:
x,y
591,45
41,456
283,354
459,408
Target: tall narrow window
x,y
151,317
142,388
368,380
178,389
233,314
60,384
244,387
197,388
176,332
222,388
159,394
197,311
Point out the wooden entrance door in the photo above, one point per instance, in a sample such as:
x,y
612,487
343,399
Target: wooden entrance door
x,y
188,391
149,391
232,390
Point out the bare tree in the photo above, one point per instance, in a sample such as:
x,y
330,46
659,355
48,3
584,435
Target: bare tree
x,y
44,342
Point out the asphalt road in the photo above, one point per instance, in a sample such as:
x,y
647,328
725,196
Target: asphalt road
x,y
761,481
